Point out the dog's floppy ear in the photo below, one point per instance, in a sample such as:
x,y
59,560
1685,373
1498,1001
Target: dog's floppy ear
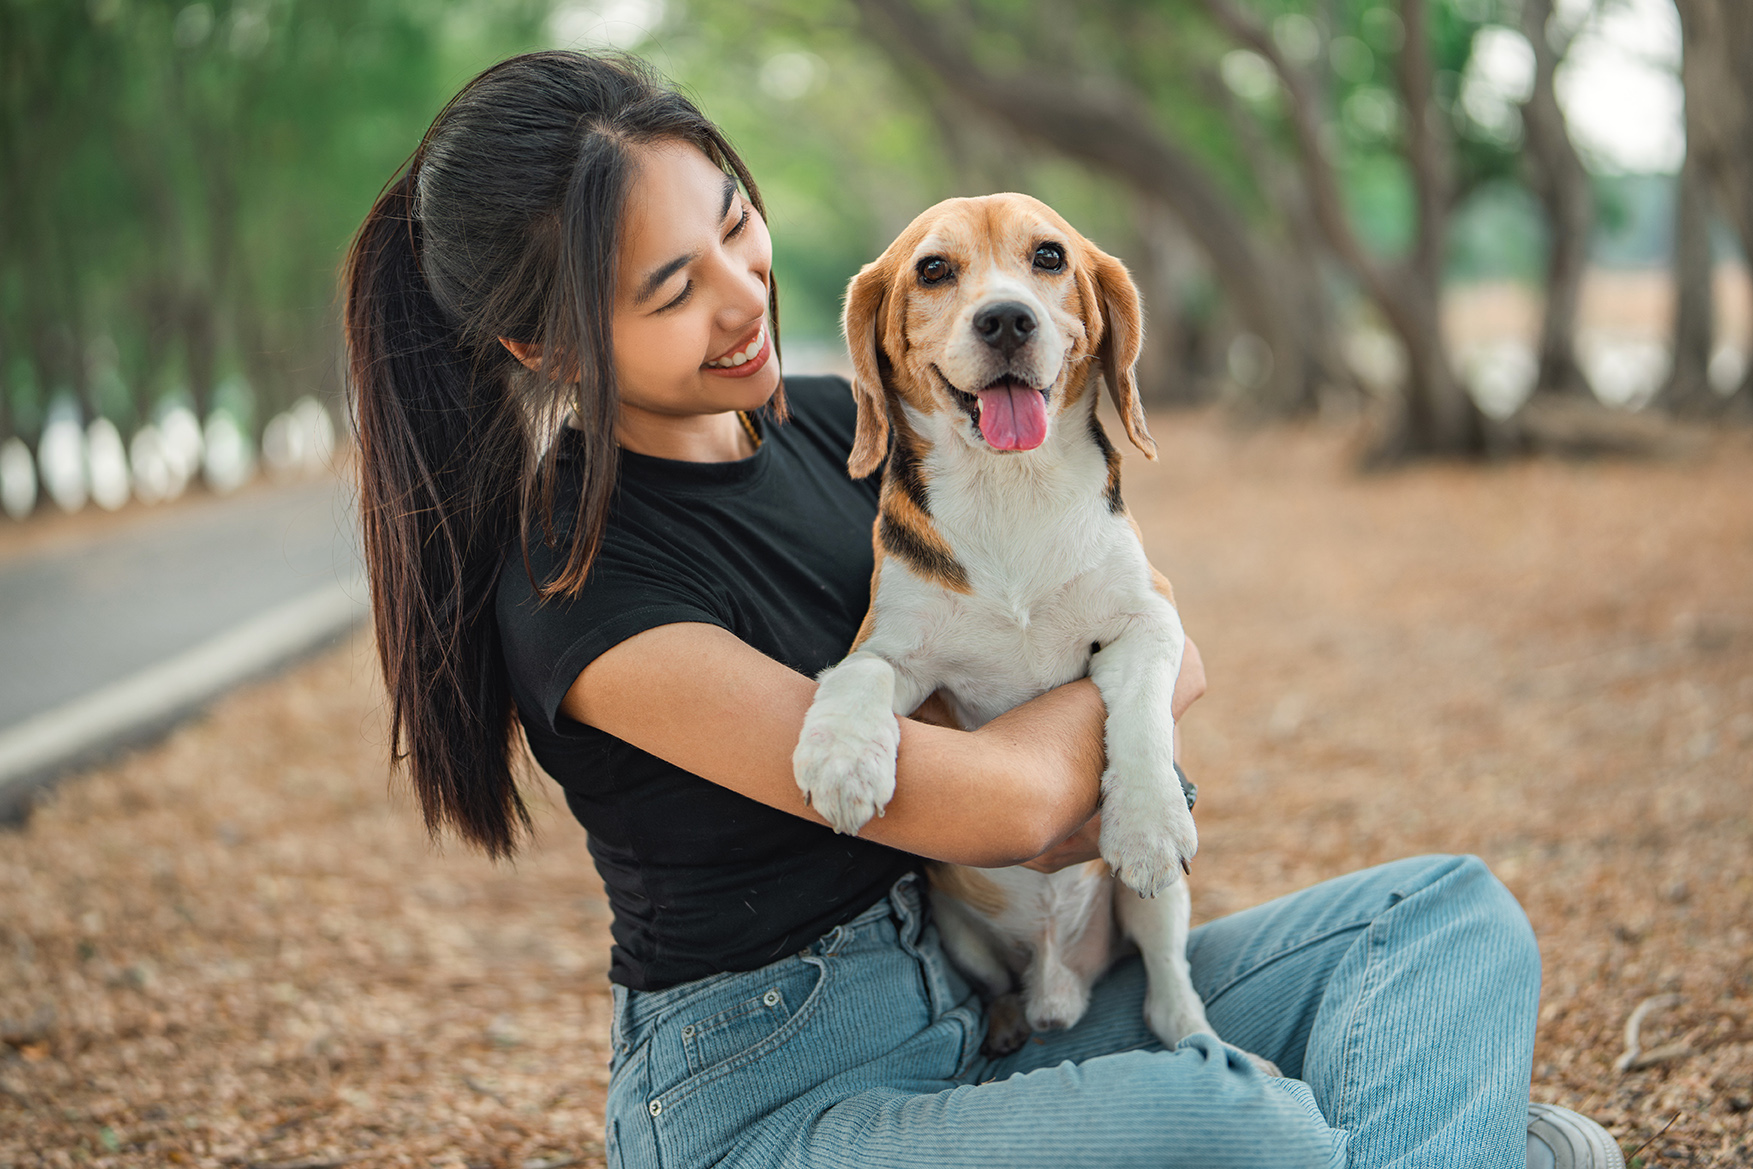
x,y
865,301
1122,337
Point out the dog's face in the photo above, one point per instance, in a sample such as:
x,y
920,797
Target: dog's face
x,y
987,312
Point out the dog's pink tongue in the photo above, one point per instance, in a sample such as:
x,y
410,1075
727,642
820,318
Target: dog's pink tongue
x,y
1013,417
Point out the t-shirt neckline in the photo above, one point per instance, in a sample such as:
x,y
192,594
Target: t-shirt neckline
x,y
682,474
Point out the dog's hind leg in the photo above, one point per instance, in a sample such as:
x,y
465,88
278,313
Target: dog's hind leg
x,y
970,946
1172,1008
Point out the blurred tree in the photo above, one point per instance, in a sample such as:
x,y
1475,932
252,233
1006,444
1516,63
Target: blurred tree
x,y
178,180
1279,157
1437,414
1716,39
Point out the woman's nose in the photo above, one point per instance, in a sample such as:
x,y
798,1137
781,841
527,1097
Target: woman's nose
x,y
747,295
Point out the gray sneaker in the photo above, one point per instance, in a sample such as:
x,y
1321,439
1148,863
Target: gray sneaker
x,y
1561,1139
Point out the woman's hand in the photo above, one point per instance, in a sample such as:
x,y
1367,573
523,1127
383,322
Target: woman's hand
x,y
1085,844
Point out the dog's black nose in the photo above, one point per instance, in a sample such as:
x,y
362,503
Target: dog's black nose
x,y
1006,326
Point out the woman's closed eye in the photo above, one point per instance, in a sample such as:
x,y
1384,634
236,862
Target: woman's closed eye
x,y
740,224
681,297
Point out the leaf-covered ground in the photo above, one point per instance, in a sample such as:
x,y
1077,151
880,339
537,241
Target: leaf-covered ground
x,y
237,948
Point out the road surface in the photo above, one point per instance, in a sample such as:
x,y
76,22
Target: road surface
x,y
111,636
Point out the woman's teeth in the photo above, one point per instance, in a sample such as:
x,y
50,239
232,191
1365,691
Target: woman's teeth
x,y
744,355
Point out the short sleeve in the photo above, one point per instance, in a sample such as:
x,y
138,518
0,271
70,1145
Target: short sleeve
x,y
547,644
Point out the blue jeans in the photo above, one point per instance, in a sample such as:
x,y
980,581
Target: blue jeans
x,y
1399,1002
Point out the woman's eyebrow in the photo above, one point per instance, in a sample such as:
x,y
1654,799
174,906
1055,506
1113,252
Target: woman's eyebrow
x,y
655,281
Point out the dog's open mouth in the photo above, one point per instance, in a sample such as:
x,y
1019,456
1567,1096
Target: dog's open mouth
x,y
1011,415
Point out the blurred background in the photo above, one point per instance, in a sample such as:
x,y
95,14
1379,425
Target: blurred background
x,y
1330,203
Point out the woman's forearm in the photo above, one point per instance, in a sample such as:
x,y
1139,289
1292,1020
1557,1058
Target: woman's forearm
x,y
1006,792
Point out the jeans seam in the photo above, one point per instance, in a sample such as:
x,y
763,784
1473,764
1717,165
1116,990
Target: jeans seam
x,y
1374,943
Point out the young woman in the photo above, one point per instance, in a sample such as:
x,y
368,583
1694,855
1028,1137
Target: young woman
x,y
594,516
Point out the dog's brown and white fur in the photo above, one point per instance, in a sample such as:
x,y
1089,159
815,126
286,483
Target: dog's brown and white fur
x,y
1003,573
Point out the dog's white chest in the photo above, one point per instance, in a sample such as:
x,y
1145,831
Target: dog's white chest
x,y
995,652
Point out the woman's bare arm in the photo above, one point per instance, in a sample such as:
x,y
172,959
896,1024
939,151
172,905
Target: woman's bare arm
x,y
702,699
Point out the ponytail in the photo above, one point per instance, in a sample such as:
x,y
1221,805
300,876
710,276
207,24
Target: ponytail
x,y
440,468
504,224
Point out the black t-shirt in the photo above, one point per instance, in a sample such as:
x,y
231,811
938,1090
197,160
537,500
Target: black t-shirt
x,y
775,548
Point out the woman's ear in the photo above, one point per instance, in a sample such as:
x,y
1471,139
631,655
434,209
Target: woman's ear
x,y
1122,338
865,300
528,354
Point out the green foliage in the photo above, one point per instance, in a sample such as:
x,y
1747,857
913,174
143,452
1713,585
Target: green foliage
x,y
182,178
178,181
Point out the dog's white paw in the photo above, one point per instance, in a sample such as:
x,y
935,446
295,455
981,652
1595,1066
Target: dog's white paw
x,y
845,763
1263,1065
1148,838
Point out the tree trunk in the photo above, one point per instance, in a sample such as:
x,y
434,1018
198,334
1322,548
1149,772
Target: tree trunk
x,y
1561,183
1162,266
1687,389
1441,416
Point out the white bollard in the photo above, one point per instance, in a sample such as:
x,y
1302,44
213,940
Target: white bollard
x,y
107,460
18,479
61,463
228,464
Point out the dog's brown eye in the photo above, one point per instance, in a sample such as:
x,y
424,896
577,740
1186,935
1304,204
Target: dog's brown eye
x,y
933,270
1049,257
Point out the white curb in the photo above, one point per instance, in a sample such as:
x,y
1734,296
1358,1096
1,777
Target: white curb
x,y
39,745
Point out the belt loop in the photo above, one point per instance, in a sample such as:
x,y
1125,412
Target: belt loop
x,y
905,905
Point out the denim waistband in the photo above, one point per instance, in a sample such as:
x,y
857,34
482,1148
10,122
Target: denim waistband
x,y
902,908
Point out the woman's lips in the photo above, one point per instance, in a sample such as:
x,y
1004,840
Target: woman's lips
x,y
744,360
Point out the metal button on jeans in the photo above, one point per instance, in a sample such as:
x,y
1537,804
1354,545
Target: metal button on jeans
x,y
688,1031
771,998
657,1107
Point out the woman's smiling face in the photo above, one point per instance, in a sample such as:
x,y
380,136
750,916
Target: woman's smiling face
x,y
690,326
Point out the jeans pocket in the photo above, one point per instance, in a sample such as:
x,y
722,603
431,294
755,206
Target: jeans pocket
x,y
710,1041
745,1021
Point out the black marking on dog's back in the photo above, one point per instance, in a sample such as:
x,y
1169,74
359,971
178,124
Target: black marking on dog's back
x,y
1112,491
933,563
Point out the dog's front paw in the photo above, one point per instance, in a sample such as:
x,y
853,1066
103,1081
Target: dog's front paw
x,y
1148,838
845,763
1173,1013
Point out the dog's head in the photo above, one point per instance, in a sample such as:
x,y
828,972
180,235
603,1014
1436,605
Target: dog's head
x,y
988,311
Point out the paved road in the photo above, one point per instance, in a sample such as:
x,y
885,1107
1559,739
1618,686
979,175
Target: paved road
x,y
77,618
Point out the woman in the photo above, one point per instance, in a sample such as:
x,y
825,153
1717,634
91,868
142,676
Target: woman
x,y
563,331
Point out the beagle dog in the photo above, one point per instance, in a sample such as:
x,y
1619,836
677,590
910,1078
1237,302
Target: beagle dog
x,y
1006,565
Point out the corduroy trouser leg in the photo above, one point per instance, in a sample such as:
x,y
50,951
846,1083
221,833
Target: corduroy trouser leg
x,y
1399,1002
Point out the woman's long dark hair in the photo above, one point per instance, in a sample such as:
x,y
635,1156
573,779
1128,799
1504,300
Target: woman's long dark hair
x,y
505,222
